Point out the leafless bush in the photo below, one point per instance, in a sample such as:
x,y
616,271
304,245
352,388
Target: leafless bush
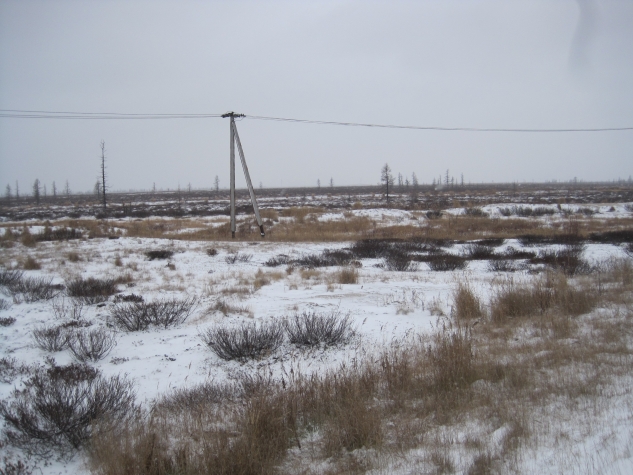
x,y
280,260
446,262
64,309
197,397
91,345
91,290
212,252
568,259
478,251
248,341
433,214
59,234
399,261
138,316
4,304
475,212
10,277
128,298
59,405
31,264
238,257
159,254
17,467
312,329
504,265
513,253
34,289
613,237
6,321
51,338
11,369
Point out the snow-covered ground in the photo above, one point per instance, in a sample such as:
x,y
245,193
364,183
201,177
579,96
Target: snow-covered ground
x,y
385,307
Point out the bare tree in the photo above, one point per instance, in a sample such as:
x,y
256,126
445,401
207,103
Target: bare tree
x,y
54,190
462,180
331,182
44,190
216,183
97,190
399,180
319,183
386,178
103,175
414,180
446,178
67,189
17,190
36,190
7,193
189,188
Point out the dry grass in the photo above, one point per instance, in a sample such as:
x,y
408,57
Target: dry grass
x,y
347,275
31,264
466,305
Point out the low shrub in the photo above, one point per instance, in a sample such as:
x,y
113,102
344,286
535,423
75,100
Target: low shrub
x,y
276,261
159,254
137,316
51,338
312,329
58,234
238,257
446,262
568,259
60,405
10,277
248,341
91,290
128,298
399,261
504,265
6,321
475,212
371,248
5,304
11,369
91,345
513,253
212,252
64,309
614,237
433,214
478,251
34,289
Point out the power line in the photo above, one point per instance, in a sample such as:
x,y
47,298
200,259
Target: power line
x,y
34,114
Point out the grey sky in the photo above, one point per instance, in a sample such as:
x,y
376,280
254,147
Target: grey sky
x,y
479,63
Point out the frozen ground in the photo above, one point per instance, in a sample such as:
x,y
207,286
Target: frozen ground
x,y
385,307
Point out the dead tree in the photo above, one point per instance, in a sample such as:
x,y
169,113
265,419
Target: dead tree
x,y
386,178
103,175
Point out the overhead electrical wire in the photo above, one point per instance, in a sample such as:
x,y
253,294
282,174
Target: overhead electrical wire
x,y
34,114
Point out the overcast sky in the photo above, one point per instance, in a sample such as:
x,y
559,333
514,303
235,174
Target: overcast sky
x,y
477,63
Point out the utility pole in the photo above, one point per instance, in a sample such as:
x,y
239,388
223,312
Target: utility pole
x,y
235,138
103,176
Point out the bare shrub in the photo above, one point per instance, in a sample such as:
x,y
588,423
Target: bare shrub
x,y
568,259
18,467
613,237
347,275
10,277
311,329
159,254
51,338
399,261
280,260
58,234
504,265
466,305
248,341
74,257
136,316
513,253
11,369
34,289
128,298
64,309
238,257
328,258
59,405
91,345
446,262
226,308
91,290
212,252
475,212
6,321
5,304
478,251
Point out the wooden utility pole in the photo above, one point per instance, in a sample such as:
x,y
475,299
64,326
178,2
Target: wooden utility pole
x,y
103,176
236,138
